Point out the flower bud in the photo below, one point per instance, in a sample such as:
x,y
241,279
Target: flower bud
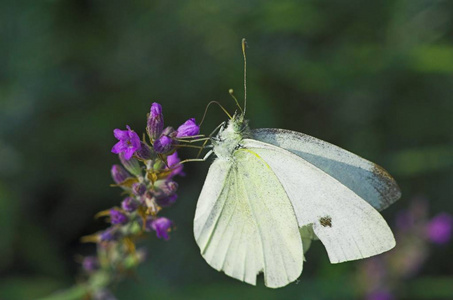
x,y
165,188
162,226
138,189
166,201
189,128
117,217
129,204
155,121
165,142
131,165
170,131
119,174
110,234
170,187
159,165
145,152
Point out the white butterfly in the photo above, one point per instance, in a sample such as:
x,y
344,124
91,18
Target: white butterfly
x,y
270,192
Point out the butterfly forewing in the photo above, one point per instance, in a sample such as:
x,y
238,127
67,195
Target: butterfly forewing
x,y
245,223
368,180
348,226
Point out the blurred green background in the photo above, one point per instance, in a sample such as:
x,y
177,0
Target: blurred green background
x,y
373,77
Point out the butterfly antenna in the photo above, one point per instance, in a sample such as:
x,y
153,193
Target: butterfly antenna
x,y
206,110
231,92
244,45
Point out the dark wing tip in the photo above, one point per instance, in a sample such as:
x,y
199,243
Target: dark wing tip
x,y
390,191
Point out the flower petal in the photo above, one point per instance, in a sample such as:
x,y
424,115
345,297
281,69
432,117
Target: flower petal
x,y
118,147
163,144
172,160
156,110
135,141
128,153
120,134
189,128
161,226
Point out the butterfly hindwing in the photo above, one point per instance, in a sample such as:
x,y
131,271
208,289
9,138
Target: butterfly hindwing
x,y
348,226
245,223
368,180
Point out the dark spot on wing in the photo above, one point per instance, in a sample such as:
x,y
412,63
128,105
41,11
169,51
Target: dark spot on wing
x,y
385,185
326,221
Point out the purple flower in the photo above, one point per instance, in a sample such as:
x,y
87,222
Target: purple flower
x,y
119,174
173,160
156,110
117,217
161,226
166,201
145,152
163,144
439,229
169,188
129,204
155,121
189,128
129,142
90,263
380,295
110,234
165,192
165,188
138,189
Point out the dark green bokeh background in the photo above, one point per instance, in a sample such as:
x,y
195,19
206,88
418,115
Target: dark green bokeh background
x,y
374,77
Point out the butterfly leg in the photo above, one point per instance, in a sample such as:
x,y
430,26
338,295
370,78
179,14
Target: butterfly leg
x,y
195,140
220,127
196,159
190,137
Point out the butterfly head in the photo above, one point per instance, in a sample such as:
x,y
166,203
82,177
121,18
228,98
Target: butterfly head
x,y
238,123
228,139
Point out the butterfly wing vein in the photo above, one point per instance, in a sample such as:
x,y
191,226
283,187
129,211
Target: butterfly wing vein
x,y
354,229
244,229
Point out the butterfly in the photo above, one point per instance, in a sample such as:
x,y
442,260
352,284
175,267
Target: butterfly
x,y
270,192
